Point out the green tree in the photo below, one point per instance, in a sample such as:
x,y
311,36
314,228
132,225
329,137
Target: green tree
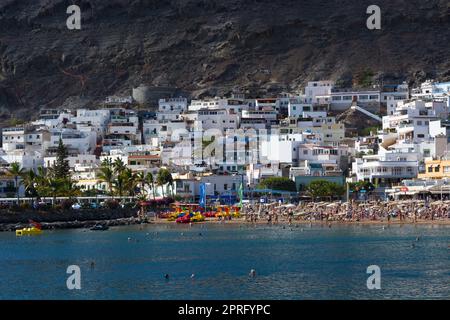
x,y
119,184
170,182
324,189
150,182
16,171
29,178
141,181
164,177
41,178
364,78
119,166
69,189
61,168
278,183
129,181
106,175
54,186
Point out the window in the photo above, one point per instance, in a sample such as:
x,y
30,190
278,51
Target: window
x,y
420,136
447,169
337,98
363,97
225,186
373,97
430,169
347,98
437,168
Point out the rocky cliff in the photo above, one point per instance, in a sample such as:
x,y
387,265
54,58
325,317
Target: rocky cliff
x,y
209,47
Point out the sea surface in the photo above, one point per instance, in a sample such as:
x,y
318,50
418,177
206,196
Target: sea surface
x,y
304,262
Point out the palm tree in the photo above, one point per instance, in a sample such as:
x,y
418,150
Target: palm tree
x,y
164,177
129,181
42,187
169,180
151,182
29,181
161,180
106,174
141,181
54,187
69,189
16,171
41,174
107,162
119,184
119,166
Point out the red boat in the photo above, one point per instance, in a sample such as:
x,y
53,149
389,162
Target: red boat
x,y
184,219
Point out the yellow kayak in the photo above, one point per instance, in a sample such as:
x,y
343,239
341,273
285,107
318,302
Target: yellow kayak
x,y
198,218
28,231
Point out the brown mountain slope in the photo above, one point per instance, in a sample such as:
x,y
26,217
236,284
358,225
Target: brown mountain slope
x,y
209,47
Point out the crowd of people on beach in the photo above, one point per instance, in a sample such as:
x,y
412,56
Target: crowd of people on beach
x,y
403,211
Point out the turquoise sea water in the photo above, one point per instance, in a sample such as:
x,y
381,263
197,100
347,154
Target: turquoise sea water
x,y
308,262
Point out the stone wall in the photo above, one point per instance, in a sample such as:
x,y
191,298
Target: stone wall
x,y
23,216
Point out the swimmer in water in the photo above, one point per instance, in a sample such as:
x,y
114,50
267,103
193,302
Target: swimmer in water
x,y
252,273
92,264
166,276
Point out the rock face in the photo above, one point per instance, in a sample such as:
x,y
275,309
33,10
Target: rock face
x,y
209,47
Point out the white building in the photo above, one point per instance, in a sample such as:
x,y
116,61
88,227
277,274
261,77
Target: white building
x,y
205,119
77,142
233,105
317,89
431,90
158,131
386,167
92,120
171,109
341,99
392,94
75,162
27,161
